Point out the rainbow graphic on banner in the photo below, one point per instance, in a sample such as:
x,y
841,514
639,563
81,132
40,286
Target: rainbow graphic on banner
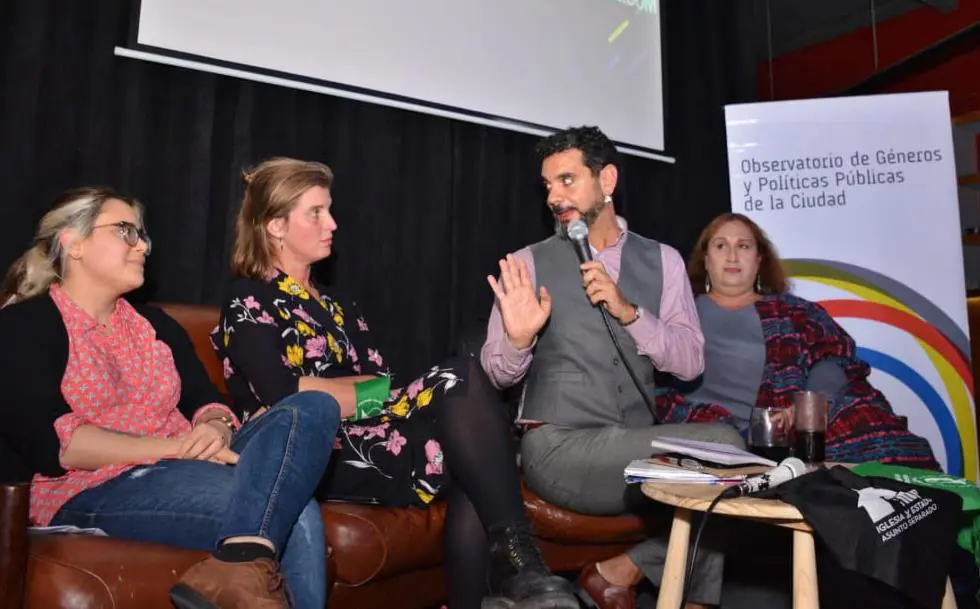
x,y
884,300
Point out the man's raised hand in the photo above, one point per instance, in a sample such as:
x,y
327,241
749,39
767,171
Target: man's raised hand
x,y
523,312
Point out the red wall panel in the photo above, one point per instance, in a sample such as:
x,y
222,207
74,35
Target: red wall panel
x,y
834,65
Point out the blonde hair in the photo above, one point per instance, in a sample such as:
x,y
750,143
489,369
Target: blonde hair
x,y
272,189
44,263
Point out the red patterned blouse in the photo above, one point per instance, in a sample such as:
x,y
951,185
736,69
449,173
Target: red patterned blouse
x,y
121,378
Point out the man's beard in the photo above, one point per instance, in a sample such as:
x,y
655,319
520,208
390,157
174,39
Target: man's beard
x,y
592,214
589,217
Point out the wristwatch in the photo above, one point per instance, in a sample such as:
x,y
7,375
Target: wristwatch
x,y
639,314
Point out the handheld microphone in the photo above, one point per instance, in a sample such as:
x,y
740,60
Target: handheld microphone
x,y
578,234
787,469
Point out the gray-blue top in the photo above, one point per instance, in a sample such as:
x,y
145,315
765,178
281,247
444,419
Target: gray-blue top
x,y
735,359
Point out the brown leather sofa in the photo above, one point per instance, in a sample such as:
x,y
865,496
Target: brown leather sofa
x,y
378,557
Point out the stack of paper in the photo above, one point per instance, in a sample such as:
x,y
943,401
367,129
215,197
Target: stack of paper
x,y
694,462
671,469
710,452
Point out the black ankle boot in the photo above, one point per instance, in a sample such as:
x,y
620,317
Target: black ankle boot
x,y
519,578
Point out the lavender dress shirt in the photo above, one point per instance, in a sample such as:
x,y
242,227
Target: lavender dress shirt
x,y
673,342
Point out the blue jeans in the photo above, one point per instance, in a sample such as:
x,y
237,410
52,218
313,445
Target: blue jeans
x,y
197,504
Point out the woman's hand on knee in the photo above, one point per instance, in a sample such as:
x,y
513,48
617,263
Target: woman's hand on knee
x,y
207,443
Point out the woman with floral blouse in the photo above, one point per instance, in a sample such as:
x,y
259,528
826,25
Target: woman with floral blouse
x,y
445,433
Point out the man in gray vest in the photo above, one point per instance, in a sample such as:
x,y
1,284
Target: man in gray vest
x,y
584,416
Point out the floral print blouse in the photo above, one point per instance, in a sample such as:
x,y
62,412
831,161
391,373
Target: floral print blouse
x,y
280,320
273,332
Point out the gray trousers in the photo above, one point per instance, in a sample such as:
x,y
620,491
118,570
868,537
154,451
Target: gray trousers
x,y
582,470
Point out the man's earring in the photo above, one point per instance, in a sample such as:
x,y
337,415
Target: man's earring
x,y
607,199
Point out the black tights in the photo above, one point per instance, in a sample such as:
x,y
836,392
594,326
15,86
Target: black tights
x,y
480,452
466,553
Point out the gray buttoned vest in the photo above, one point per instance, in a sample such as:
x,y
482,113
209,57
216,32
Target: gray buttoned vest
x,y
576,377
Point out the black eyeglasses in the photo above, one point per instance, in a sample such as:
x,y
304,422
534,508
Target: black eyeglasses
x,y
130,233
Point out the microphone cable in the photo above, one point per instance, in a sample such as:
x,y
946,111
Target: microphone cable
x,y
689,568
629,368
578,234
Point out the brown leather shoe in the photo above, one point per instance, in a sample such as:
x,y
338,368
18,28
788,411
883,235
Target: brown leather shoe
x,y
215,584
604,594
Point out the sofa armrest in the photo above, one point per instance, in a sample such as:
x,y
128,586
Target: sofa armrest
x,y
14,524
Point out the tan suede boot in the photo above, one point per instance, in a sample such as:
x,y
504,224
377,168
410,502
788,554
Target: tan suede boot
x,y
215,584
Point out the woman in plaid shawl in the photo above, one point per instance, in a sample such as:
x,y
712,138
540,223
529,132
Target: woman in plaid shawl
x,y
734,266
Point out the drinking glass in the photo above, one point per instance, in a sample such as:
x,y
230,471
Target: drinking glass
x,y
770,430
811,426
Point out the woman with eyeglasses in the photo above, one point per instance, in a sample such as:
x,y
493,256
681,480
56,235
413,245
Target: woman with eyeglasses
x,y
112,418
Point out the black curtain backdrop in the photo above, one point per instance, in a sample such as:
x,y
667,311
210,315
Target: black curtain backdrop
x,y
425,205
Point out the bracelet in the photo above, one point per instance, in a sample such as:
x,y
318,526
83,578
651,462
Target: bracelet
x,y
639,314
370,397
224,420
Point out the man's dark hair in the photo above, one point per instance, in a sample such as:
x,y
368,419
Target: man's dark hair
x,y
597,150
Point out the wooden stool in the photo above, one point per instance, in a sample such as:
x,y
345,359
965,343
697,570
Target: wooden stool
x,y
688,498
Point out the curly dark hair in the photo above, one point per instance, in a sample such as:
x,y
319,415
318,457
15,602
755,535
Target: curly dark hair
x,y
772,277
597,150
